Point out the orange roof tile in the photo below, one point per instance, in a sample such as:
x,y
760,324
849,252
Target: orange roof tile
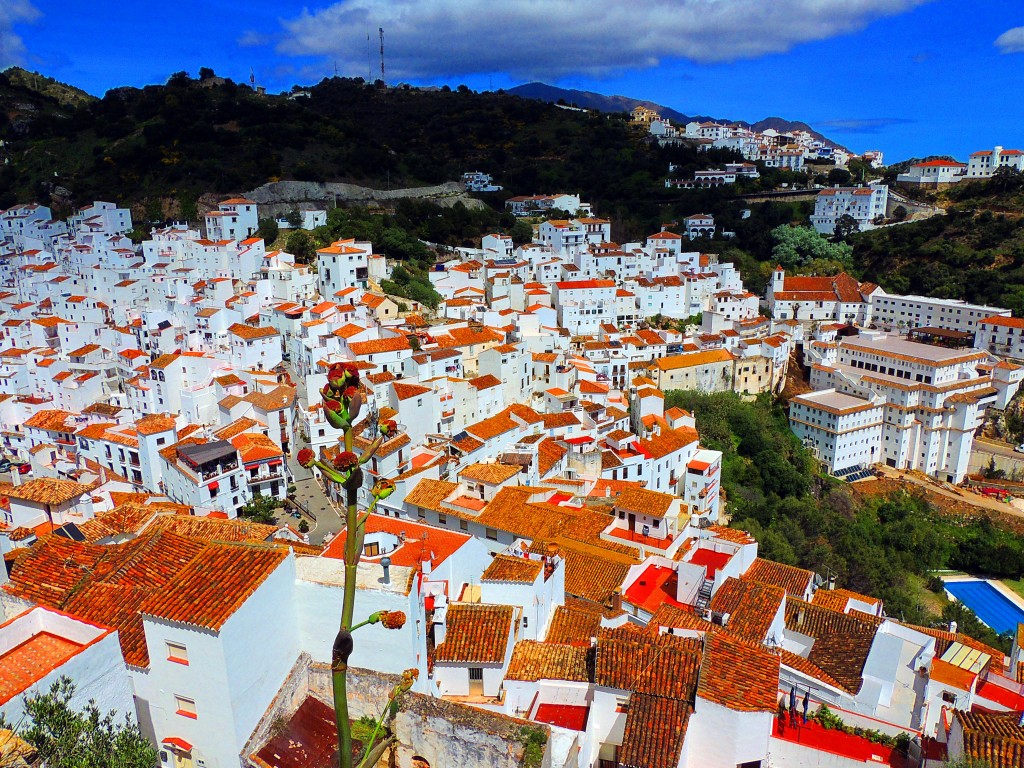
x,y
475,634
740,676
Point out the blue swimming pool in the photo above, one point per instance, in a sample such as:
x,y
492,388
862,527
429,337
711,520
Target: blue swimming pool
x,y
993,608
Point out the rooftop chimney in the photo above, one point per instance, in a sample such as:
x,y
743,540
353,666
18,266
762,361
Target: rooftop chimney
x,y
953,627
385,563
617,599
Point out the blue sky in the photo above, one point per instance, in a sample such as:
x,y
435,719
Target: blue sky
x,y
909,77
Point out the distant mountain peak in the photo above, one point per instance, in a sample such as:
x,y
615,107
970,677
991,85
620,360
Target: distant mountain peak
x,y
616,103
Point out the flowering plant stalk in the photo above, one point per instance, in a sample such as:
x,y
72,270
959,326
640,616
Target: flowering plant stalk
x,y
342,401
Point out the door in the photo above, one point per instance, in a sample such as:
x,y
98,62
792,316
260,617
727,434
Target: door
x,y
632,522
182,759
476,681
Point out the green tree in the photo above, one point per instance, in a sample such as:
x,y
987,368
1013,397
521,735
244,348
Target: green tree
x,y
294,217
261,509
798,246
206,73
268,230
846,226
839,176
899,213
300,244
66,738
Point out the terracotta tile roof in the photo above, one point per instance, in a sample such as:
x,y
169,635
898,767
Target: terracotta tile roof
x,y
533,661
405,391
375,346
644,502
549,453
490,473
997,739
574,623
509,568
475,634
837,599
163,361
237,427
741,676
277,399
792,579
667,441
751,607
491,427
153,423
735,535
485,382
209,529
45,490
50,420
654,732
804,666
255,446
214,584
429,494
674,617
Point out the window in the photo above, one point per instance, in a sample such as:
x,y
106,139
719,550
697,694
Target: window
x,y
949,697
476,673
185,707
491,534
463,525
442,519
177,652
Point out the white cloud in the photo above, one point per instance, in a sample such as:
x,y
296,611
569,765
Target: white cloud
x,y
12,48
251,38
538,38
1011,41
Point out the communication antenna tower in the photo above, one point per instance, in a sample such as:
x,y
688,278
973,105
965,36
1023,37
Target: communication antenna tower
x,y
381,31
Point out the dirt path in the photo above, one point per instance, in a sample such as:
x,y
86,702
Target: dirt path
x,y
957,503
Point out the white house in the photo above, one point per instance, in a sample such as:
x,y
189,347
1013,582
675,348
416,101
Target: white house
x,y
983,164
863,204
933,173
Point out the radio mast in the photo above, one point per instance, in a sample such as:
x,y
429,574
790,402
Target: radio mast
x,y
381,31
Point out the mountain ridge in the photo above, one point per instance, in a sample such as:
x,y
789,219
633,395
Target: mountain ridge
x,y
619,103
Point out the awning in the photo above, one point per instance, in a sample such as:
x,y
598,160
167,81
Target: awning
x,y
214,486
176,743
274,462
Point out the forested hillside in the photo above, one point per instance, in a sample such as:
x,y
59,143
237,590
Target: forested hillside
x,y
883,546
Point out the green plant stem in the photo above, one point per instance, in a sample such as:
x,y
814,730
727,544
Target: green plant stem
x,y
368,747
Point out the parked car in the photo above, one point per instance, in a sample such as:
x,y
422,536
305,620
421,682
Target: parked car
x,y
5,465
1019,448
23,468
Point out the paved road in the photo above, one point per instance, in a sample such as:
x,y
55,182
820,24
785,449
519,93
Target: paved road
x,y
309,493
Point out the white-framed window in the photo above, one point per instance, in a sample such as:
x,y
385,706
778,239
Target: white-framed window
x,y
185,707
177,653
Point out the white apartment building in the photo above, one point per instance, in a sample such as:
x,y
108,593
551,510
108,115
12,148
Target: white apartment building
x,y
896,312
933,173
841,430
982,165
344,264
1001,335
234,219
100,217
933,398
864,204
206,474
585,305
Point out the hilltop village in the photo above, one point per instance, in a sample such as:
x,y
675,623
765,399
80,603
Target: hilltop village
x,y
557,536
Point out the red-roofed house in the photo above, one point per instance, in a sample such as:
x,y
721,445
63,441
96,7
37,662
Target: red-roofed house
x,y
936,174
